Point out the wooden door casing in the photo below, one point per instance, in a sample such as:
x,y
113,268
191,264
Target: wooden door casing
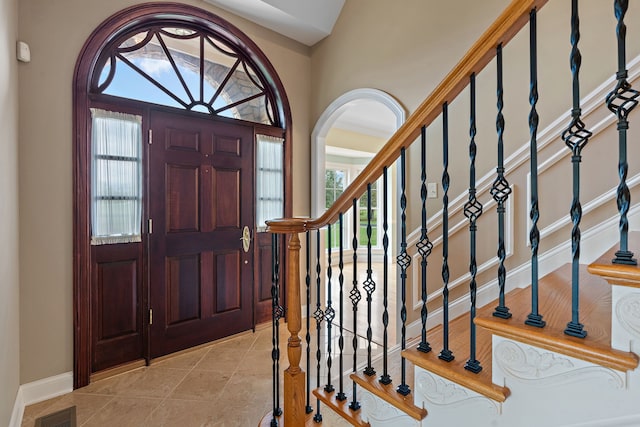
x,y
200,198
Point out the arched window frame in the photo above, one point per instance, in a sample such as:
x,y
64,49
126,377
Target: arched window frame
x,y
115,50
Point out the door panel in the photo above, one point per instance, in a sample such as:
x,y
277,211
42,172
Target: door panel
x,y
117,285
117,327
262,287
227,267
226,185
183,290
182,198
200,197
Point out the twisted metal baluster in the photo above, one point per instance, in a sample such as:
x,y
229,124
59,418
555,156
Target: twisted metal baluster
x,y
355,297
534,318
319,316
576,136
621,101
385,378
369,286
341,396
404,260
329,313
308,408
424,245
500,192
472,210
445,354
277,314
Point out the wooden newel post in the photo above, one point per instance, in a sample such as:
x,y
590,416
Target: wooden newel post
x,y
294,376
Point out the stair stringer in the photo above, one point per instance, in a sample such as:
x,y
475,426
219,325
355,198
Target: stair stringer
x,y
452,404
547,389
379,413
552,389
625,318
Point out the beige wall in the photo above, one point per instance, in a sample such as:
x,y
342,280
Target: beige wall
x,y
407,49
9,284
56,32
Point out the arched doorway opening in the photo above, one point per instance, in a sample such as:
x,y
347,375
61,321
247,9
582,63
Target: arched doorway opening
x,y
345,138
182,149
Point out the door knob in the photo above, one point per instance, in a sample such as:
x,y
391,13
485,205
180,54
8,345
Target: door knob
x,y
246,238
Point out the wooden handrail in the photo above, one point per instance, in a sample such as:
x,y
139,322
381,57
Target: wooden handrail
x,y
508,24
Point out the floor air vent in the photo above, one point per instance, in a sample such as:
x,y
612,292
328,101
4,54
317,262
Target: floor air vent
x,y
64,418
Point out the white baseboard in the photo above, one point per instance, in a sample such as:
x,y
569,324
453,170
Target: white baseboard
x,y
18,410
38,391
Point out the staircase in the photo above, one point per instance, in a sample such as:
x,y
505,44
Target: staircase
x,y
557,349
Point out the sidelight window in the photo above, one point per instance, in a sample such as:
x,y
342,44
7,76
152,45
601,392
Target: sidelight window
x,y
116,177
269,179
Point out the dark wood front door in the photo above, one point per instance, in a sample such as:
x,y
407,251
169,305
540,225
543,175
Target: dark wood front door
x,y
200,195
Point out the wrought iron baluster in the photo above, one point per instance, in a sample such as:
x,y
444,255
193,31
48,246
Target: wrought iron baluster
x,y
355,297
385,378
341,396
308,408
329,313
369,286
500,191
621,101
277,314
404,260
472,210
576,136
424,245
534,318
319,316
445,354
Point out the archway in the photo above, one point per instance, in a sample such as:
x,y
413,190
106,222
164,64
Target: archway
x,y
334,154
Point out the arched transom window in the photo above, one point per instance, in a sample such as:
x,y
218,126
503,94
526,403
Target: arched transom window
x,y
181,67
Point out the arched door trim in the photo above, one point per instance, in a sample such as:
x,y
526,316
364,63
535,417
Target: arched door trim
x,y
122,22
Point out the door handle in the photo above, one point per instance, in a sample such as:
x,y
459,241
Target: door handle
x,y
246,238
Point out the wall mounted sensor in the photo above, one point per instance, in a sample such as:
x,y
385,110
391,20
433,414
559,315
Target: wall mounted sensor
x,y
23,53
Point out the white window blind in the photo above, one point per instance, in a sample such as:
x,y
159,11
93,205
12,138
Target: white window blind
x,y
269,179
116,177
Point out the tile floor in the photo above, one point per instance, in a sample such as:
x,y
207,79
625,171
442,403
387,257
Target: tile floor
x,y
225,384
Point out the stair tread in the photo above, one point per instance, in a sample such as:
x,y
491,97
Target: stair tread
x,y
555,303
459,344
389,394
341,407
618,274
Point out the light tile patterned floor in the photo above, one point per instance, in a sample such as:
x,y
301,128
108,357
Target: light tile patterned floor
x,y
227,384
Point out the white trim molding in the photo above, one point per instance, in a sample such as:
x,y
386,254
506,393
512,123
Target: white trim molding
x,y
39,391
324,124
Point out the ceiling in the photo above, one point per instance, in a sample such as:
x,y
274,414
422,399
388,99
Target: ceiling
x,y
368,117
307,21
